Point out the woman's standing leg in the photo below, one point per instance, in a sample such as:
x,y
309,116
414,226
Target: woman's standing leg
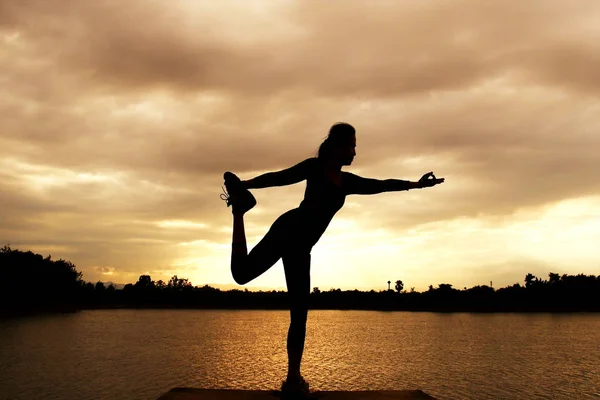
x,y
297,276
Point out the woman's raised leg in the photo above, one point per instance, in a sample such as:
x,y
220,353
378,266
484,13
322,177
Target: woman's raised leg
x,y
247,266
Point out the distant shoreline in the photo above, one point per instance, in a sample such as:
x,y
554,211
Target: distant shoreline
x,y
33,313
55,286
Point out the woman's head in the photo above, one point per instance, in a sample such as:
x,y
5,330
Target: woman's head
x,y
340,144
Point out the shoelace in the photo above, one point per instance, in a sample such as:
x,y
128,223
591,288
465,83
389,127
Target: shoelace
x,y
225,196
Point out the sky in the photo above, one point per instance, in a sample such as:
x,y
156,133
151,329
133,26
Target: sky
x,y
119,119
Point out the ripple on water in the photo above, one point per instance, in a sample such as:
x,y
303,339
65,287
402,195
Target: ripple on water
x,y
139,354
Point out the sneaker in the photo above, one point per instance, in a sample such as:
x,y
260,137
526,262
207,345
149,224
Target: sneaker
x,y
236,195
297,387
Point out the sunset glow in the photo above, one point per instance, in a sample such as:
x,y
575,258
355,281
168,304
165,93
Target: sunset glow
x,y
119,119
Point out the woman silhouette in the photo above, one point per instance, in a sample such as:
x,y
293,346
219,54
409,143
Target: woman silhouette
x,y
293,234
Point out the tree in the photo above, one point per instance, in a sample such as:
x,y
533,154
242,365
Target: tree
x,y
145,282
179,283
399,286
99,287
316,290
529,279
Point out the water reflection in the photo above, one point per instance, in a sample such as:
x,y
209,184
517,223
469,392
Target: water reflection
x,y
139,354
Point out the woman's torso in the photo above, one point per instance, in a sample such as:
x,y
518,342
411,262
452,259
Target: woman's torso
x,y
323,198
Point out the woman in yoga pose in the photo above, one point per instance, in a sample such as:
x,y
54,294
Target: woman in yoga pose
x,y
293,234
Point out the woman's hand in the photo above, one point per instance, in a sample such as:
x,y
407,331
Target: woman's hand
x,y
429,180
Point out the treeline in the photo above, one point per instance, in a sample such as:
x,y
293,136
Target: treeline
x,y
32,283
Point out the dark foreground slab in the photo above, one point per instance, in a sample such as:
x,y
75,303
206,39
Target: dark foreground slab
x,y
227,394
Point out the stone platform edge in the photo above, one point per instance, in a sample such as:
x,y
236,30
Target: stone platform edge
x,y
182,393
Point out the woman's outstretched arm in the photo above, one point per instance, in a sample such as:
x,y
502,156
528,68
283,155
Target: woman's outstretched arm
x,y
358,185
288,176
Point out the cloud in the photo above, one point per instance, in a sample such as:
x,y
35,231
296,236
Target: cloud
x,y
105,270
117,116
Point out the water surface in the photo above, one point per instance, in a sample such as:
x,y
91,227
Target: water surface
x,y
140,354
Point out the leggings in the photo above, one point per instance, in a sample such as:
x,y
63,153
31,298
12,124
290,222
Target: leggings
x,y
290,238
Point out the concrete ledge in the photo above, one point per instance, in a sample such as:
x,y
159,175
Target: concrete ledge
x,y
228,394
